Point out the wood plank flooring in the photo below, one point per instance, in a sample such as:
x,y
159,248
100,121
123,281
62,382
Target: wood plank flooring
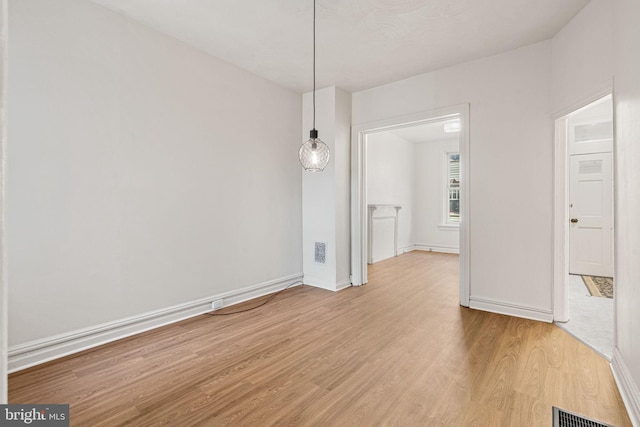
x,y
399,351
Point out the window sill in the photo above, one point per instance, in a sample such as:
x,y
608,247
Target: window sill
x,y
449,227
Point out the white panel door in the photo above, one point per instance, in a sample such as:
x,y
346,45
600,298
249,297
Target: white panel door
x,y
591,214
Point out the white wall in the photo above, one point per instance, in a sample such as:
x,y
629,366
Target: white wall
x,y
626,359
390,181
430,203
582,57
318,193
326,194
342,159
144,174
511,199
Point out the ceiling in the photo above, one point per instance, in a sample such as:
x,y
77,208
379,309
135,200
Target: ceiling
x,y
360,43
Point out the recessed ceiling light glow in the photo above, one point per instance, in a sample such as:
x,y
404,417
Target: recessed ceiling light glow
x,y
452,126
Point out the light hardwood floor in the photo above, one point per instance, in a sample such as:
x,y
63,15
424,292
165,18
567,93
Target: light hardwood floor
x,y
398,351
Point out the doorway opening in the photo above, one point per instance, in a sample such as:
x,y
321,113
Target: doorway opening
x,y
396,206
584,224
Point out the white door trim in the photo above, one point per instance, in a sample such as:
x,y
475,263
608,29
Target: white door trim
x,y
359,189
4,319
560,253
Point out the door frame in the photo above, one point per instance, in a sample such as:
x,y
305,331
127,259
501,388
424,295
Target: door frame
x,y
560,253
4,293
359,188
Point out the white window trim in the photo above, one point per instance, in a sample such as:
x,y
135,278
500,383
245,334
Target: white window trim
x,y
446,225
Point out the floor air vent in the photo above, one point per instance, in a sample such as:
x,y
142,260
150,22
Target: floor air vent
x,y
562,418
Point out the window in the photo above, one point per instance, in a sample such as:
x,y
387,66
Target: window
x,y
453,188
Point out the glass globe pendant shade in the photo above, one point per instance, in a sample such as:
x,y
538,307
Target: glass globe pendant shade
x,y
314,154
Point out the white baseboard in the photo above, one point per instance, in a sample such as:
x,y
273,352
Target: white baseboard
x,y
510,309
343,284
329,286
33,353
405,249
437,248
374,260
447,249
628,388
319,283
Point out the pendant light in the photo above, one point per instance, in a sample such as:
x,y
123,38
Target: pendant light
x,y
314,154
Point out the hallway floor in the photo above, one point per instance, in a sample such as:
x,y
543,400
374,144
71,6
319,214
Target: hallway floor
x,y
590,318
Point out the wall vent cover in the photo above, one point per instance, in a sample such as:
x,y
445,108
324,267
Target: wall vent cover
x,y
320,253
562,418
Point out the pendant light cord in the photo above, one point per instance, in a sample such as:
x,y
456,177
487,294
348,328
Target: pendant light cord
x,y
314,64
